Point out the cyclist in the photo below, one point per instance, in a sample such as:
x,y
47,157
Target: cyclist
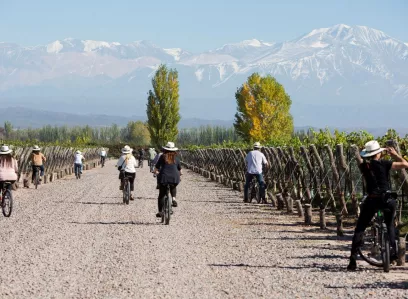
x,y
8,167
376,172
127,162
254,160
37,159
79,158
141,155
168,168
152,155
103,156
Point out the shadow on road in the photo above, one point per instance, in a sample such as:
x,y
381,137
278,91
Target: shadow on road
x,y
403,285
117,223
240,265
99,203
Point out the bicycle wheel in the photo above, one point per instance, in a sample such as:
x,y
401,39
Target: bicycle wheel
x,y
385,250
167,208
370,250
163,211
36,178
250,191
126,192
257,193
7,203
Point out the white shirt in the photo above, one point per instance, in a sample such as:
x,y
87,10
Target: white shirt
x,y
254,161
103,153
129,165
78,158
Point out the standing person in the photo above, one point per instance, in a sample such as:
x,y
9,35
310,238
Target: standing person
x,y
8,167
78,162
376,172
127,162
103,156
254,160
37,159
141,155
152,155
168,168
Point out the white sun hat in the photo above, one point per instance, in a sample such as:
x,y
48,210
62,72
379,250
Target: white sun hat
x,y
4,150
372,148
170,147
36,148
78,152
257,145
127,149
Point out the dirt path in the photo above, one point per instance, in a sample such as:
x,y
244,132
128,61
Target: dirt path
x,y
74,239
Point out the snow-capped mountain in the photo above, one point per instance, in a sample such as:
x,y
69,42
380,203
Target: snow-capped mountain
x,y
339,65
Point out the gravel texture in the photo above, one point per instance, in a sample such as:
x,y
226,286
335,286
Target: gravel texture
x,y
75,239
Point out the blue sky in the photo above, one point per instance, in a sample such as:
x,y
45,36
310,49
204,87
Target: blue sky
x,y
190,24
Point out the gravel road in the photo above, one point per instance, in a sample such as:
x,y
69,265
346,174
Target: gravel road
x,y
75,239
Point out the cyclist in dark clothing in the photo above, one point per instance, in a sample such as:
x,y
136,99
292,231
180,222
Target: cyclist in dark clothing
x,y
141,154
169,169
376,174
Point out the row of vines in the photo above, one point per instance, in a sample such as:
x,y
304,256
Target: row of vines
x,y
314,178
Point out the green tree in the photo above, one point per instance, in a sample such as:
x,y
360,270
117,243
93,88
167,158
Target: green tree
x,y
8,129
137,133
263,110
163,106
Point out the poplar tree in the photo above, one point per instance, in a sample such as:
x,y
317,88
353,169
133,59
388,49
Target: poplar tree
x,y
163,106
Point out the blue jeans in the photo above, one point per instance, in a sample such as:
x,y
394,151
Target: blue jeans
x,y
248,179
35,170
78,167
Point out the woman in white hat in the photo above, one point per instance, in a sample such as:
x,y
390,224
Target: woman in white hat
x,y
37,160
376,172
78,162
8,166
127,162
169,169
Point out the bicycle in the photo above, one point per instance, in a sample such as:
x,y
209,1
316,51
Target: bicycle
x,y
6,200
140,163
166,209
36,170
102,162
254,190
375,248
78,171
126,190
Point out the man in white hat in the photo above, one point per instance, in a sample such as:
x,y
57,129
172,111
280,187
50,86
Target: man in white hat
x,y
103,156
37,160
376,172
78,162
127,163
254,161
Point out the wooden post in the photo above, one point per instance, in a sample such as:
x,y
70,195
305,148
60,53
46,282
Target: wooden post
x,y
299,208
273,199
339,221
322,216
401,251
281,203
308,214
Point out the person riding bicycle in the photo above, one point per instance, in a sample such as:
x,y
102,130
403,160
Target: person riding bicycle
x,y
141,154
103,156
79,158
254,161
376,173
8,167
168,168
152,155
37,159
127,163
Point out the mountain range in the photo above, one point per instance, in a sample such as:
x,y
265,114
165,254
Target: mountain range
x,y
337,76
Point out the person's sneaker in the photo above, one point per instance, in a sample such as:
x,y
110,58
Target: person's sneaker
x,y
158,215
132,198
120,187
174,203
352,266
246,200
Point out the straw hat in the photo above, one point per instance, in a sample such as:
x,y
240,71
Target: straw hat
x,y
78,152
127,149
170,147
4,150
36,148
372,148
257,145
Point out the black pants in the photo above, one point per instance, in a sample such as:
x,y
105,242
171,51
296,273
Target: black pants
x,y
8,186
35,171
162,194
131,176
368,209
103,159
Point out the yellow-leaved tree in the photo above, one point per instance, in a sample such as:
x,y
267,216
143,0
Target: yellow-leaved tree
x,y
263,110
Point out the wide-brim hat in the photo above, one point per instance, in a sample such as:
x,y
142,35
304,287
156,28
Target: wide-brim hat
x,y
127,149
257,145
36,148
170,147
5,150
372,148
78,152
